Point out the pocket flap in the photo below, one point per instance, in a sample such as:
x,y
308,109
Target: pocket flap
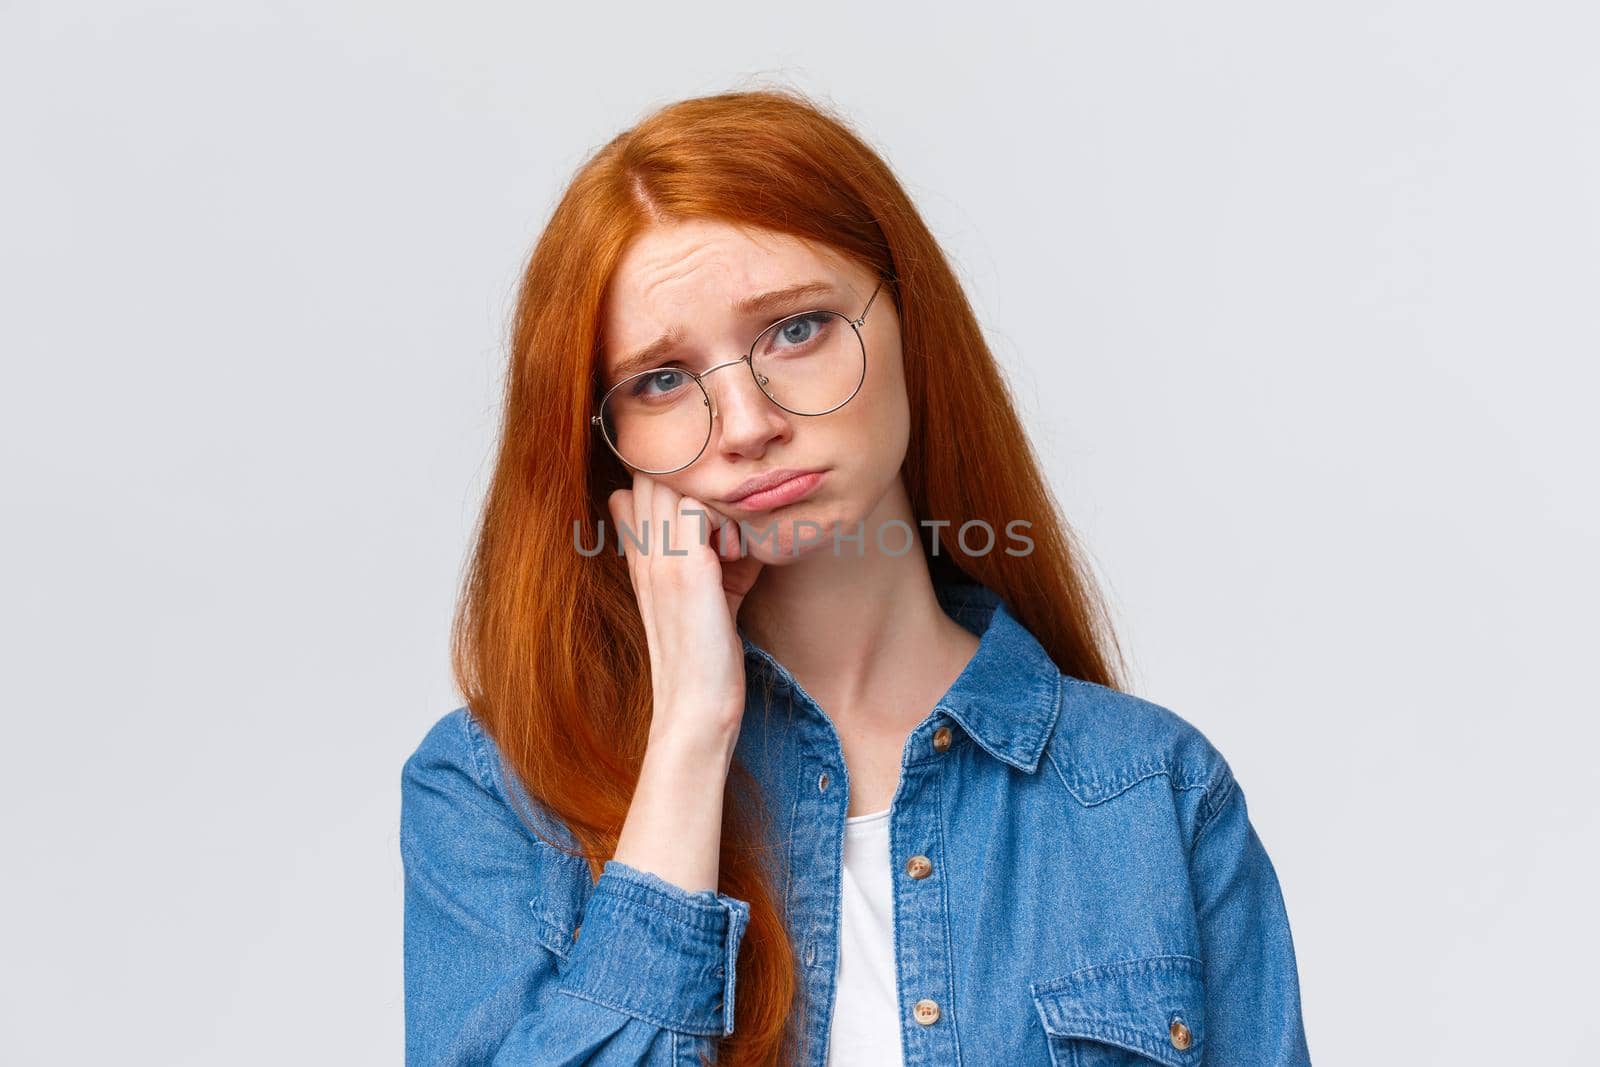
x,y
1154,1006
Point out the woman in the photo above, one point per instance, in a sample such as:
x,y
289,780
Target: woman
x,y
817,757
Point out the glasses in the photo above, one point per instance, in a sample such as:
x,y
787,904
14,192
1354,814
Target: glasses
x,y
659,421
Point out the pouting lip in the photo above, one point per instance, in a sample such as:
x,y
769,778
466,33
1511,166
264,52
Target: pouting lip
x,y
766,481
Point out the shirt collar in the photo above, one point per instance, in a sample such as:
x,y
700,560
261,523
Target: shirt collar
x,y
1008,695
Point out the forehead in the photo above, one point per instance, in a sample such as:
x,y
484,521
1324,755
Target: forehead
x,y
687,275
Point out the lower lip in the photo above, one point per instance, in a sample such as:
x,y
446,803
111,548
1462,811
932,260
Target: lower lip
x,y
788,492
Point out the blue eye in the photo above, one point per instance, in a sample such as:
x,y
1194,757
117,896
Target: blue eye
x,y
659,383
798,331
801,330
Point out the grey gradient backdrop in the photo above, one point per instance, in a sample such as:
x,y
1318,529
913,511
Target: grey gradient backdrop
x,y
1298,302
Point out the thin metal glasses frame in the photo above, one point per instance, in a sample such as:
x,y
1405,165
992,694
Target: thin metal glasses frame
x,y
748,359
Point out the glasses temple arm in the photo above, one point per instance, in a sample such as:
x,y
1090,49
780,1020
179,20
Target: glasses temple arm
x,y
863,316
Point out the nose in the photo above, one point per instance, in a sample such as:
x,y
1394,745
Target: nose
x,y
748,417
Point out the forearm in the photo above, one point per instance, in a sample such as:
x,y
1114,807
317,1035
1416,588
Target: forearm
x,y
674,826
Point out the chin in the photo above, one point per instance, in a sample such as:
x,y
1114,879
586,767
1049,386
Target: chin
x,y
781,532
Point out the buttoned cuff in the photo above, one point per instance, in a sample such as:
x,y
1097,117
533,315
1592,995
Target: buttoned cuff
x,y
658,952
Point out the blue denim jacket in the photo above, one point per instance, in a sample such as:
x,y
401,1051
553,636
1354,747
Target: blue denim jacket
x,y
1097,894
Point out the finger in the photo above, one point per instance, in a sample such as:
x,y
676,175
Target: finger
x,y
738,577
717,518
673,529
719,527
726,534
621,504
698,521
664,514
641,553
642,486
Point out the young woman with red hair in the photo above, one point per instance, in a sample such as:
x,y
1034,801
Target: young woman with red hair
x,y
814,753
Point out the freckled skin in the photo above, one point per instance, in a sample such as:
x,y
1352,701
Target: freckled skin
x,y
689,274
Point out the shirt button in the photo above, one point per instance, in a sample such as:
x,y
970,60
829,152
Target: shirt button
x,y
822,783
941,739
1180,1035
919,866
926,1012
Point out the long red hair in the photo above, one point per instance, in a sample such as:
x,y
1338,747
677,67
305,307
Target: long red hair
x,y
547,644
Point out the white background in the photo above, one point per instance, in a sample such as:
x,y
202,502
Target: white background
x,y
1299,303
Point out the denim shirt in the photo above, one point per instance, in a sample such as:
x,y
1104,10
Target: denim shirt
x,y
1076,882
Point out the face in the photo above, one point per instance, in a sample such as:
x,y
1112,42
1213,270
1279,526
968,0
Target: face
x,y
687,277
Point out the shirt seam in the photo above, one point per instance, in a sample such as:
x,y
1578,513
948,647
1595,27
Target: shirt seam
x,y
1211,805
473,731
699,914
637,1013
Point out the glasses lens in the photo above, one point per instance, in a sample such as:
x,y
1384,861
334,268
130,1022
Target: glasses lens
x,y
658,420
810,363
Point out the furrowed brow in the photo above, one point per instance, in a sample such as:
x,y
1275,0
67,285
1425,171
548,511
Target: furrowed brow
x,y
783,299
649,356
772,302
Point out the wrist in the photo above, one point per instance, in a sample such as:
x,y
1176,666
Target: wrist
x,y
710,742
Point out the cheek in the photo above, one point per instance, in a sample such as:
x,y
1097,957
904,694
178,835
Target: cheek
x,y
869,442
882,425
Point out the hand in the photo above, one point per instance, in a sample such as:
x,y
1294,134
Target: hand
x,y
689,604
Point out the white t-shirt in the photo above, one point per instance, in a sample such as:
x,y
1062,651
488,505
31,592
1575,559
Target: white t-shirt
x,y
865,1030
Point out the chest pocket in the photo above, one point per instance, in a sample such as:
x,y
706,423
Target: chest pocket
x,y
1127,1014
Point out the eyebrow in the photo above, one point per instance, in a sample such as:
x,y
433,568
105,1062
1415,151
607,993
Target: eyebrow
x,y
769,302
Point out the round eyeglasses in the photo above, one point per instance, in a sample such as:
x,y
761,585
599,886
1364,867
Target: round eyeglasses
x,y
659,421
